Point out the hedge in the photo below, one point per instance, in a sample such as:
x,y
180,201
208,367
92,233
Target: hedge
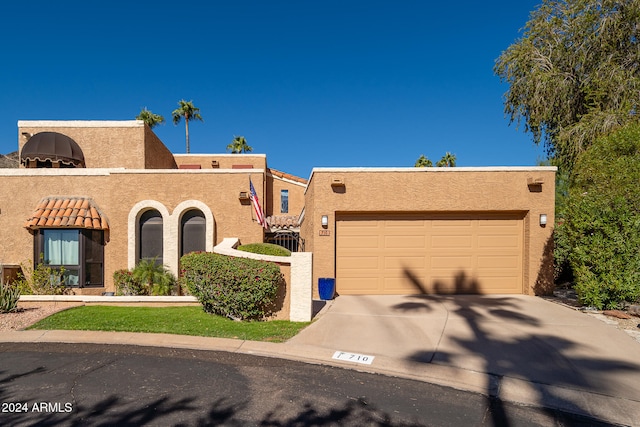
x,y
239,288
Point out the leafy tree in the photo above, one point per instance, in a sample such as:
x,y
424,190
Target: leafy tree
x,y
573,75
151,119
602,221
448,160
423,162
189,112
239,145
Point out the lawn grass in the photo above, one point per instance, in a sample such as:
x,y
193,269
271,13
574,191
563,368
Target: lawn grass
x,y
190,320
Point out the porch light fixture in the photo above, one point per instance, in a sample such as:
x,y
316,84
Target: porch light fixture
x,y
543,220
324,221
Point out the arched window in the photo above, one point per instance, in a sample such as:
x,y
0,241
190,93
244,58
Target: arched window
x,y
193,232
151,238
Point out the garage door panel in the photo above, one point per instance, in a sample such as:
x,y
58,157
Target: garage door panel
x,y
415,242
362,262
359,242
357,286
451,262
416,254
402,263
452,224
399,285
499,262
500,285
497,241
451,242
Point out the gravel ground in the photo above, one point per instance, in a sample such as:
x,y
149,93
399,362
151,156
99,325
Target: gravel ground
x,y
30,312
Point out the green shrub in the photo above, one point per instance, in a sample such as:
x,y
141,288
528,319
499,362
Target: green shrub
x,y
602,225
265,249
9,296
41,280
156,278
126,284
238,288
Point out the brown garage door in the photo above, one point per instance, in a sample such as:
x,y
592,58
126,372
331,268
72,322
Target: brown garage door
x,y
421,253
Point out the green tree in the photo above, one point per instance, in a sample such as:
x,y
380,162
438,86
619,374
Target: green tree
x,y
423,162
189,112
602,221
151,119
573,75
239,145
448,160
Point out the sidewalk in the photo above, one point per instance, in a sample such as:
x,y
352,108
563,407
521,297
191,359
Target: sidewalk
x,y
522,349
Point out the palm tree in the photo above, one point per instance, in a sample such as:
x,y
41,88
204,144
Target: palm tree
x,y
150,118
189,112
155,277
239,145
423,162
448,160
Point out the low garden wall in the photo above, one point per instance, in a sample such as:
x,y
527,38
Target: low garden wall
x,y
297,271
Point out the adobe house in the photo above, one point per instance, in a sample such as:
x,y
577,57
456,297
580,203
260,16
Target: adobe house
x,y
98,196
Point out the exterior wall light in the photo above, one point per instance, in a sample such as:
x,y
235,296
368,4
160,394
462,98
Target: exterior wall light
x,y
324,221
543,220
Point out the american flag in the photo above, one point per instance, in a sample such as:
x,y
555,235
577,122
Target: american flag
x,y
256,206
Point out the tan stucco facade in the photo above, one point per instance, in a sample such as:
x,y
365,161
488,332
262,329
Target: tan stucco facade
x,y
129,171
523,193
107,144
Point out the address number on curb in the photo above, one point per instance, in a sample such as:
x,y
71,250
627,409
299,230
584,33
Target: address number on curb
x,y
353,357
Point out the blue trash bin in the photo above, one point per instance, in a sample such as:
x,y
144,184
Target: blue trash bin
x,y
326,288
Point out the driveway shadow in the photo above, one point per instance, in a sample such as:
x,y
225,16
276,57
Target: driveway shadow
x,y
540,359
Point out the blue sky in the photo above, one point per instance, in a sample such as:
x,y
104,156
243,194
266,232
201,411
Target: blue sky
x,y
309,83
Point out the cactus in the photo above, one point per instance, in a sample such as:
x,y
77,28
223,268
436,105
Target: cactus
x,y
9,296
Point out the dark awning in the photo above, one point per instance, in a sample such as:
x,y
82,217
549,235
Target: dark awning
x,y
52,146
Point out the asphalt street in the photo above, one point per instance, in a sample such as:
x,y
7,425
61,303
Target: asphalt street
x,y
49,384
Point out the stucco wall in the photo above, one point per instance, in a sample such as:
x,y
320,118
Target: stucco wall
x,y
105,144
434,190
224,161
116,192
157,155
296,196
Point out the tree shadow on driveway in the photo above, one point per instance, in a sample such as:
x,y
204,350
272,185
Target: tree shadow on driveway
x,y
493,335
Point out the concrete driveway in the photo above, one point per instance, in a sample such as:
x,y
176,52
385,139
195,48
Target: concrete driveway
x,y
519,348
512,348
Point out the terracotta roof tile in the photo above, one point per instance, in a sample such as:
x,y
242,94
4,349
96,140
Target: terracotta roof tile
x,y
283,222
288,176
80,212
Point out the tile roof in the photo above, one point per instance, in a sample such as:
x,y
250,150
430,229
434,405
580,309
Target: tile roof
x,y
288,176
72,212
283,222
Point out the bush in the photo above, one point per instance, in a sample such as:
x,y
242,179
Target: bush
x,y
238,288
265,249
126,284
154,277
602,225
41,280
147,278
9,296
